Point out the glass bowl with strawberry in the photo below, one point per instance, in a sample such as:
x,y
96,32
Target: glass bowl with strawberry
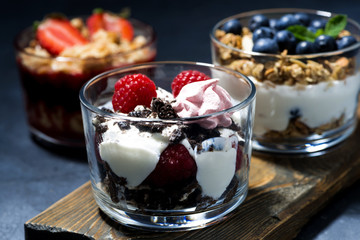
x,y
305,65
168,143
58,55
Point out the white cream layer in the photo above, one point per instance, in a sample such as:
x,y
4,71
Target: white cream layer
x,y
130,153
317,104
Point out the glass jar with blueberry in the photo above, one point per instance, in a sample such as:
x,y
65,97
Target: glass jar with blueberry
x,y
305,65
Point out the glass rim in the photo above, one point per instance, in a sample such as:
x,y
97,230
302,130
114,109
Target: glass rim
x,y
284,10
149,42
242,104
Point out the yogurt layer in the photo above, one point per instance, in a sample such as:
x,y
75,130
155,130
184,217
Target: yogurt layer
x,y
216,168
130,153
315,104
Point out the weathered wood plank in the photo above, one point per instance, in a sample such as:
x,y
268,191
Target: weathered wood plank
x,y
285,191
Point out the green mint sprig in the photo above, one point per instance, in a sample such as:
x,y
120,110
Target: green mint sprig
x,y
333,27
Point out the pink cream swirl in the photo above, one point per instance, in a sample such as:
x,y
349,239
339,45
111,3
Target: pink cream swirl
x,y
201,98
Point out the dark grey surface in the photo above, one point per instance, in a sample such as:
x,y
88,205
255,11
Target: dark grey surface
x,y
32,178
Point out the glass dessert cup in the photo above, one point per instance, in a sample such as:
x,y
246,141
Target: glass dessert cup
x,y
51,85
206,197
305,103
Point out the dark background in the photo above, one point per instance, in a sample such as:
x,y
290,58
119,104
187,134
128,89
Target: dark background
x,y
32,178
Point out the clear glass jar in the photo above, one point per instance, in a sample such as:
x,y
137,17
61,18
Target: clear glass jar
x,y
122,182
305,103
51,85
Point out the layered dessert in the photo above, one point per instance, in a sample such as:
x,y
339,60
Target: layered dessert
x,y
304,67
59,54
151,158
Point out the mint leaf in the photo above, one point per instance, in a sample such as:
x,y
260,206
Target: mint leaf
x,y
319,32
302,33
335,25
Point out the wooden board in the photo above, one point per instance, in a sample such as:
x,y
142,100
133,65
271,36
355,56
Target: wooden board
x,y
285,191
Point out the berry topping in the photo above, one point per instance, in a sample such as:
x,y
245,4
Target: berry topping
x,y
232,26
304,47
324,43
257,21
302,18
286,21
110,22
55,35
286,40
186,77
266,45
345,42
133,90
318,23
263,32
175,165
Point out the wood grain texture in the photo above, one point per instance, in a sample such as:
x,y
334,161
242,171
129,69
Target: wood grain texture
x,y
284,192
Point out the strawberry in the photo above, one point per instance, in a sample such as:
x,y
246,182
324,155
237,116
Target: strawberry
x,y
55,35
95,22
112,23
186,77
133,90
175,165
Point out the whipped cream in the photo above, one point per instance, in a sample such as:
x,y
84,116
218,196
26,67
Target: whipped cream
x,y
202,98
317,104
130,153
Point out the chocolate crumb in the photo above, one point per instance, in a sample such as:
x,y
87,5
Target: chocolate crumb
x,y
123,125
141,114
99,128
163,109
107,110
176,136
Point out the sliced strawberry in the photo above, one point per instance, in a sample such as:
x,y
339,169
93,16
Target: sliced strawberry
x,y
120,25
55,35
95,22
112,23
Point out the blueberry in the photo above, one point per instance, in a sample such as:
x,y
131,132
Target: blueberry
x,y
324,43
303,18
318,23
232,26
304,47
312,29
272,23
295,113
345,42
258,20
286,21
263,32
266,45
286,40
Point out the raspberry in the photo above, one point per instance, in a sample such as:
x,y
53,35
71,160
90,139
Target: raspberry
x,y
186,77
133,90
175,165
